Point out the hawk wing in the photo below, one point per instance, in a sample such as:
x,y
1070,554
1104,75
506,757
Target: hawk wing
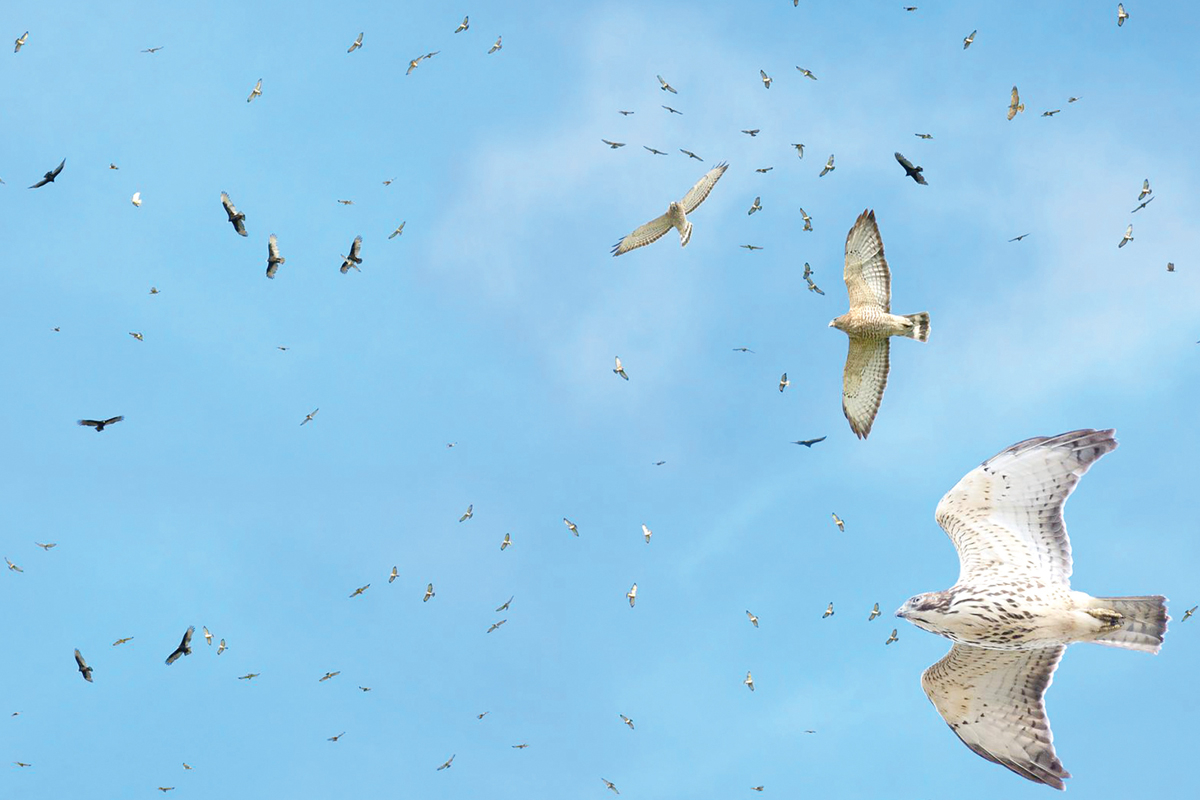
x,y
1015,104
863,382
355,247
992,700
1008,512
866,271
112,420
652,231
695,196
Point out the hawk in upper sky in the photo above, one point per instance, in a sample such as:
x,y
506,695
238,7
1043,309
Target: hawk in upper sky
x,y
676,216
1012,612
869,323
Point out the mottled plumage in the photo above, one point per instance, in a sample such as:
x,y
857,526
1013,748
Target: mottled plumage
x,y
676,216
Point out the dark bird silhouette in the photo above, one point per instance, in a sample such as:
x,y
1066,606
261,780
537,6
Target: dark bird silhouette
x,y
911,171
1018,238
673,111
809,442
84,669
352,260
237,219
652,150
49,176
185,646
99,424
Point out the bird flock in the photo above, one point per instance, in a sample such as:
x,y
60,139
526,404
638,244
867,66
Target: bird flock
x,y
868,324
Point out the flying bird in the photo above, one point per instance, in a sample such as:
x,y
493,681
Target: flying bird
x,y
470,512
327,676
136,199
666,87
20,42
360,590
237,219
221,647
755,206
1188,613
749,681
1143,204
153,290
185,646
613,145
1127,238
335,738
100,424
911,171
609,784
46,546
690,154
520,746
1015,104
652,150
505,605
750,247
784,382
462,26
807,221
632,595
869,324
357,44
50,176
742,350
799,150
874,613
809,442
84,669
625,113
256,91
496,46
1146,190
1012,612
273,257
673,111
395,574
571,526
675,217
506,543
627,721
827,168
841,524
428,593
893,637
828,611
1051,113
753,132
399,230
165,789
446,765
1018,238
923,135
1170,266
496,625
346,202
353,259
12,566
309,417
207,635
969,40
620,370
416,62
1121,15
1072,99
765,79
137,335
806,73
153,49
753,619
646,533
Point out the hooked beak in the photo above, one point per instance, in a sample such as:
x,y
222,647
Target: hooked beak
x,y
900,613
831,323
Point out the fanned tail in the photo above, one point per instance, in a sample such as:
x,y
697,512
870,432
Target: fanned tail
x,y
685,235
920,326
1143,625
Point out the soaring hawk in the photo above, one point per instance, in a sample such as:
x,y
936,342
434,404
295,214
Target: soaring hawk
x,y
1012,612
676,216
869,323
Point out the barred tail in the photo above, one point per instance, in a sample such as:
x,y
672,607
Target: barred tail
x,y
685,235
1143,626
920,326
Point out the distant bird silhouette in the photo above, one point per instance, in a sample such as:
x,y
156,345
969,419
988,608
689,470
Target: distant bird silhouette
x,y
1121,15
666,87
809,442
428,593
12,566
1188,613
893,637
911,171
137,336
360,590
1051,113
827,168
1014,104
613,145
571,526
1127,238
335,738
766,79
784,382
507,543
309,417
357,44
46,546
1146,190
462,26
841,525
395,574
100,424
496,625
799,150
750,247
446,765
620,370
20,42
221,648
397,232
652,150
496,46
755,206
328,675
673,111
749,681
84,669
207,635
627,721
806,73
185,646
609,784
1018,238
923,135
256,91
353,259
50,176
136,199
632,595
764,170
504,606
969,40
273,257
874,613
1143,204
807,220
828,611
753,619
752,132
470,512
237,219
690,154
646,533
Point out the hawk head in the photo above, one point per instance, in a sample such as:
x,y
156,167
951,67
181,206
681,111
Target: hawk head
x,y
925,610
839,322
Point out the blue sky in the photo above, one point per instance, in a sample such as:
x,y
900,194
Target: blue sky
x,y
492,322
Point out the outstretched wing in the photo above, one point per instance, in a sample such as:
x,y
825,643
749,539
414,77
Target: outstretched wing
x,y
993,701
1014,104
652,231
111,420
695,196
1008,511
863,382
355,247
904,162
868,280
90,423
